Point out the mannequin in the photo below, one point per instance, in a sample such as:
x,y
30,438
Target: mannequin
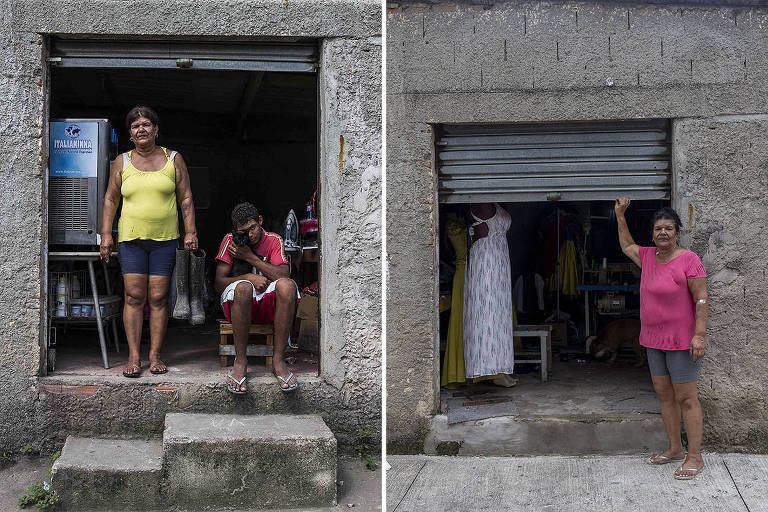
x,y
488,307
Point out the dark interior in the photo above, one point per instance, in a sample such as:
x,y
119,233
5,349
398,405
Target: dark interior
x,y
532,240
245,136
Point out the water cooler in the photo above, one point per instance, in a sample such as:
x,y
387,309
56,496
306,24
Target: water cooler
x,y
79,159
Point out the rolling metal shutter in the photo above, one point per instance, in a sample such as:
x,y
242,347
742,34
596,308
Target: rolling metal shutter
x,y
563,161
221,55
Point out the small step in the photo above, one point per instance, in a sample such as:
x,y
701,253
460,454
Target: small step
x,y
109,474
249,462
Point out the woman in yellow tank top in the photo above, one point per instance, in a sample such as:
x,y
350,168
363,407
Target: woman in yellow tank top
x,y
151,181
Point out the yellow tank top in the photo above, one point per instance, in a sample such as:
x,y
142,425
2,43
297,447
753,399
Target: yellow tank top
x,y
149,202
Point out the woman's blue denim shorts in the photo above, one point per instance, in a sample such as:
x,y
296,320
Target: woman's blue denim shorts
x,y
148,257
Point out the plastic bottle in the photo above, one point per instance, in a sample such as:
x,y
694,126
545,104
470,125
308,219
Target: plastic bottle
x,y
62,295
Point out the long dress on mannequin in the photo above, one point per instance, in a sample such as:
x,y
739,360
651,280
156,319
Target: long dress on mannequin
x,y
488,307
453,363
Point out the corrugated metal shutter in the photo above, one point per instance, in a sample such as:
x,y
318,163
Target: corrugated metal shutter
x,y
222,55
564,161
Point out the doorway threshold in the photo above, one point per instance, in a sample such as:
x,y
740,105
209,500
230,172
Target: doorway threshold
x,y
190,353
583,409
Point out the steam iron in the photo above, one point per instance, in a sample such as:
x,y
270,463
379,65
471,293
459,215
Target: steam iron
x,y
291,232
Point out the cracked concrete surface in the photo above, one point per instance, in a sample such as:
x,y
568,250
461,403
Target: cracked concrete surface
x,y
729,481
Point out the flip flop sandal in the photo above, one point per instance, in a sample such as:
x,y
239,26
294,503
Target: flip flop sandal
x,y
135,371
689,476
663,458
239,383
153,371
285,381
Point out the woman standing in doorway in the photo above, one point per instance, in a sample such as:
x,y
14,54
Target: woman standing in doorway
x,y
149,179
673,316
488,311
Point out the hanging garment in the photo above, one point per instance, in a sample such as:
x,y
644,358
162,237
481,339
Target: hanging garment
x,y
569,273
453,363
528,293
488,309
570,276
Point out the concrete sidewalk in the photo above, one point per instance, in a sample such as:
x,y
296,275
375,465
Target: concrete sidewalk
x,y
729,482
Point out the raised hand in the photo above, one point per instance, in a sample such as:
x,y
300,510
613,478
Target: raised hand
x,y
621,205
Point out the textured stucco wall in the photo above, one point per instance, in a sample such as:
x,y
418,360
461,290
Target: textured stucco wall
x,y
722,187
350,155
537,61
21,231
350,65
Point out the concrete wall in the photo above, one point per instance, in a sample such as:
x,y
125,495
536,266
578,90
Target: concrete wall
x,y
350,157
722,170
350,68
22,231
706,68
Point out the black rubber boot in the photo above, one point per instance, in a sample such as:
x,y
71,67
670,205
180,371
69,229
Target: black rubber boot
x,y
197,286
181,310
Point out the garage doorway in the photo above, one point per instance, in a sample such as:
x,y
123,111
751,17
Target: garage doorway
x,y
558,182
245,117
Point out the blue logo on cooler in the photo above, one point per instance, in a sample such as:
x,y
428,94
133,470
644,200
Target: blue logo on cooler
x,y
72,131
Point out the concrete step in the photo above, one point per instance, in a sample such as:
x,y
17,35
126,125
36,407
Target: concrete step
x,y
249,462
548,435
109,474
136,408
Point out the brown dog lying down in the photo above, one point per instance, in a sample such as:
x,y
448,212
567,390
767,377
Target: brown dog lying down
x,y
617,334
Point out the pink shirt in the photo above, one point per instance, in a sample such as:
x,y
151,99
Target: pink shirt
x,y
270,249
667,311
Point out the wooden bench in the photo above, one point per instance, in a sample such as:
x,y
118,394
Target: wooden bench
x,y
544,354
227,342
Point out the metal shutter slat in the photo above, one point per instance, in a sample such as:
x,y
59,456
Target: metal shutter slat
x,y
247,56
567,161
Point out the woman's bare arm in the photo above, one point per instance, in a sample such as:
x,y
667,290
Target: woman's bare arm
x,y
698,289
184,195
628,245
111,202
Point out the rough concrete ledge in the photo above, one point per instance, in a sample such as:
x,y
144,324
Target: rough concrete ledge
x,y
262,462
196,18
190,428
109,474
123,408
547,435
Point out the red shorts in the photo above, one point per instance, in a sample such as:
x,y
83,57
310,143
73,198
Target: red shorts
x,y
262,311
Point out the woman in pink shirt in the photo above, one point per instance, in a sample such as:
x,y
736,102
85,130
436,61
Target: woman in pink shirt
x,y
673,316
